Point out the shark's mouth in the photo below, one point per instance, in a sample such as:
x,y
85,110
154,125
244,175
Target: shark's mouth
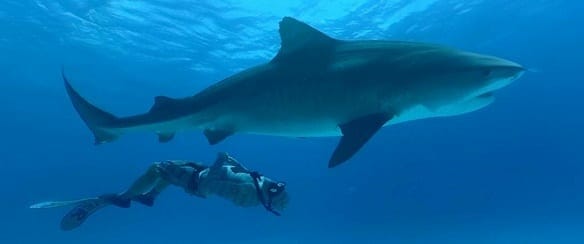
x,y
488,90
489,94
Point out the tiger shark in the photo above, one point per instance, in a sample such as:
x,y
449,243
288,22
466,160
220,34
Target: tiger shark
x,y
317,86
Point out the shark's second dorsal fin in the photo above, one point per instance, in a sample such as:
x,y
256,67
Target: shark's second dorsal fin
x,y
162,103
298,37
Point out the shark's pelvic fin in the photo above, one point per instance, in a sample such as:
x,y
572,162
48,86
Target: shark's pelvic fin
x,y
93,117
165,137
216,136
300,38
355,134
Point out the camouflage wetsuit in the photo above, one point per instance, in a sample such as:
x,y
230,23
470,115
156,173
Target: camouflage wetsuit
x,y
226,178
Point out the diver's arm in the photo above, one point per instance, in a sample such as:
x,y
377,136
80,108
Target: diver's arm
x,y
229,182
229,179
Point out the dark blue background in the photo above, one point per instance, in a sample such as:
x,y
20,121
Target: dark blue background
x,y
510,173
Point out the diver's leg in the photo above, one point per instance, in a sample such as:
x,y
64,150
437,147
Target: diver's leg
x,y
144,183
155,180
158,188
148,198
141,186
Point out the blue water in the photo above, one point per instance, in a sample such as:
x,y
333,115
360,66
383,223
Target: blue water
x,y
510,173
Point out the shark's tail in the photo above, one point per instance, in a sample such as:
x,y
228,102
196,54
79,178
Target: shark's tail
x,y
96,119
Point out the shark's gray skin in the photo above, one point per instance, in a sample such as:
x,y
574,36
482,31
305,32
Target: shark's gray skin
x,y
320,86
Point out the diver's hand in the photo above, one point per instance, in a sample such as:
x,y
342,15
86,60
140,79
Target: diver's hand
x,y
174,172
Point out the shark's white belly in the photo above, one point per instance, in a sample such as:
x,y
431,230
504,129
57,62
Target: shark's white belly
x,y
313,128
422,112
329,127
296,127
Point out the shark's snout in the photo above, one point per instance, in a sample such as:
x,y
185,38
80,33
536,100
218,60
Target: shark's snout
x,y
502,68
499,73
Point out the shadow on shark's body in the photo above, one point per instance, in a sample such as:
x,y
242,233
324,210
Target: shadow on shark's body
x,y
319,86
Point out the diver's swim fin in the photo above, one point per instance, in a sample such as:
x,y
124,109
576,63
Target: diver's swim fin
x,y
74,218
116,200
83,208
56,204
146,199
79,213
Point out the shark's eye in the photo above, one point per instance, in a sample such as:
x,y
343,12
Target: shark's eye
x,y
487,72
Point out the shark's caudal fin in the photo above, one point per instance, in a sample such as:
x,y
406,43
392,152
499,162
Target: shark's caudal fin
x,y
94,117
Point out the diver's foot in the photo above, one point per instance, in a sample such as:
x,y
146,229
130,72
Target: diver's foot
x,y
146,199
116,200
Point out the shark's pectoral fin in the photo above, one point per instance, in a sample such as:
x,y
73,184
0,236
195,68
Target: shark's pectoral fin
x,y
355,134
165,137
216,136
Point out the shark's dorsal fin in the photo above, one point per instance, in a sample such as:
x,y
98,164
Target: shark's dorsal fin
x,y
299,37
162,102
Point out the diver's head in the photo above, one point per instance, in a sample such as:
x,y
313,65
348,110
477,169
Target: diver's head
x,y
276,194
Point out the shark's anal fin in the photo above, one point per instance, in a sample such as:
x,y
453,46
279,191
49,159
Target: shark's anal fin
x,y
165,137
216,136
355,134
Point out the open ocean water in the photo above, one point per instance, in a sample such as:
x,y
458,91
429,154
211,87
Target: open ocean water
x,y
512,172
